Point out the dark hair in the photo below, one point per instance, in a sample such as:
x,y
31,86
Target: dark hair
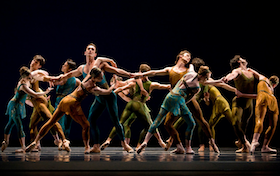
x,y
40,59
234,62
197,62
24,71
274,80
72,65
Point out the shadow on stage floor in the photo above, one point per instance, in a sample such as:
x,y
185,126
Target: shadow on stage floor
x,y
153,161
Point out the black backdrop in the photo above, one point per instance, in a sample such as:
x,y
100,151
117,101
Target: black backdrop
x,y
133,33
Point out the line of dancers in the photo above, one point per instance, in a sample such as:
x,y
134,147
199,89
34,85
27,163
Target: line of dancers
x,y
190,83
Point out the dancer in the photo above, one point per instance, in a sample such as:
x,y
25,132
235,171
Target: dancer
x,y
242,108
175,102
71,104
137,107
42,107
63,89
266,104
175,73
221,107
16,108
103,101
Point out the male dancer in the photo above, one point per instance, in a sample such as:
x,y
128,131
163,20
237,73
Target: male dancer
x,y
242,108
103,101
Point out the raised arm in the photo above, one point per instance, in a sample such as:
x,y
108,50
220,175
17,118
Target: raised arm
x,y
99,60
105,66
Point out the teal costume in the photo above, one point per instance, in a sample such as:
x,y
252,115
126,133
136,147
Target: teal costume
x,y
98,106
61,92
16,111
175,102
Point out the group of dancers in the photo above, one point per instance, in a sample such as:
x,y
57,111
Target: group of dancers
x,y
190,83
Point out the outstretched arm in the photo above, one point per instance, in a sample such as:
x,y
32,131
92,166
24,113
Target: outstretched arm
x,y
156,85
99,91
234,74
129,85
30,92
161,72
105,66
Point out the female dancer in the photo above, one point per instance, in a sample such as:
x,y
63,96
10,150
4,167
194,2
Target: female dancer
x,y
266,104
71,105
138,106
16,108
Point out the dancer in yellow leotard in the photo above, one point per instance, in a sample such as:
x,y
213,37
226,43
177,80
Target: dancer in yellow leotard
x,y
266,104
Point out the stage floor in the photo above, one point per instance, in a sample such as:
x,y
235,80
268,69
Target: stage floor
x,y
153,161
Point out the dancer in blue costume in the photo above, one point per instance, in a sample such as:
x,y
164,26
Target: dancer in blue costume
x,y
63,89
103,101
16,108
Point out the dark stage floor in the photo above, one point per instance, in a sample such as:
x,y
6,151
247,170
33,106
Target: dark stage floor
x,y
153,161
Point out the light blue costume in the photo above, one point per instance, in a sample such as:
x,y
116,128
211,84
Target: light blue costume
x,y
16,111
100,103
175,102
61,92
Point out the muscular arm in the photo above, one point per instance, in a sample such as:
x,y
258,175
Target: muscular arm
x,y
226,86
156,85
129,85
234,74
99,91
105,66
99,60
